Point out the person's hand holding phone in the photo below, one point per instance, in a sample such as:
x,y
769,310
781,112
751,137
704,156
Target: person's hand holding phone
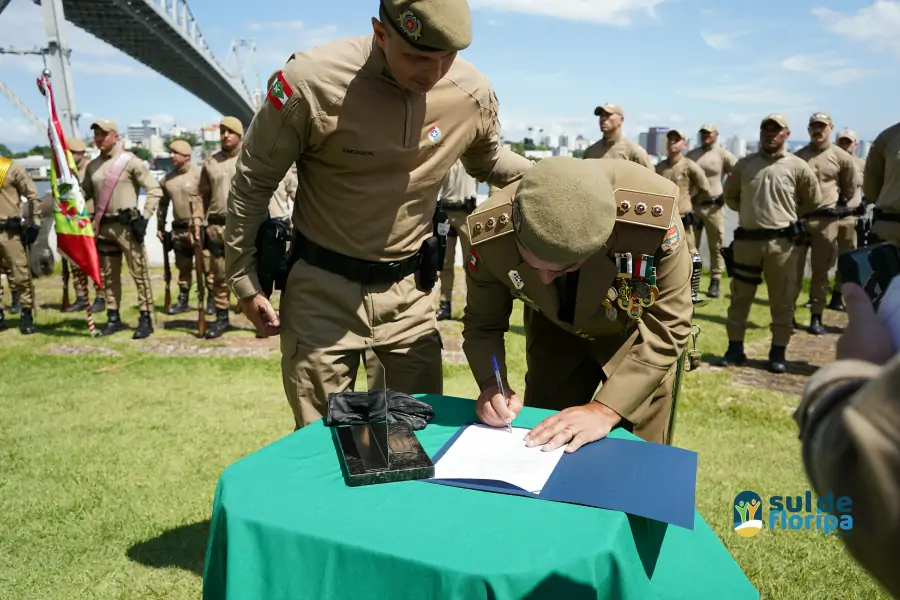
x,y
866,337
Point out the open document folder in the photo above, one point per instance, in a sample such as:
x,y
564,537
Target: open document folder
x,y
632,476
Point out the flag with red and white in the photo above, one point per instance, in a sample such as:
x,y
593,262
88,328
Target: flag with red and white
x,y
643,266
280,91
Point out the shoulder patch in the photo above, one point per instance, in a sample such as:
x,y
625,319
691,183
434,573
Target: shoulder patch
x,y
472,260
490,223
279,91
672,239
644,208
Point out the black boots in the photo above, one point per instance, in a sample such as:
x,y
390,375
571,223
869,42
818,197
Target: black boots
x,y
26,323
713,291
99,305
113,322
837,301
443,312
2,321
219,326
77,306
697,262
16,307
210,303
145,326
734,355
777,362
815,325
182,304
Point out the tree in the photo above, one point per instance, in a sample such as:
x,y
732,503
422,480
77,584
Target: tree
x,y
187,136
578,153
5,151
142,153
528,144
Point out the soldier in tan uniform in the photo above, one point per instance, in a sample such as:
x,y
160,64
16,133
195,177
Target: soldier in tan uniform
x,y
368,189
282,202
847,140
79,155
692,186
849,423
881,184
716,162
458,200
623,324
113,181
613,144
16,231
215,185
836,173
770,190
181,188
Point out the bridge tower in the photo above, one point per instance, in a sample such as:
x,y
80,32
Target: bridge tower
x,y
241,64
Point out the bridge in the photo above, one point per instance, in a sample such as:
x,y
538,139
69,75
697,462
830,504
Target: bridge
x,y
161,34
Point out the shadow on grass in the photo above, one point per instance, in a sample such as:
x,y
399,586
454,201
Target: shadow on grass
x,y
183,547
65,328
794,367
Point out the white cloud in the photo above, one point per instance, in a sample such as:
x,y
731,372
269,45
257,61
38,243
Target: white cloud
x,y
275,50
515,125
828,69
876,25
721,40
260,26
21,131
619,13
676,119
760,92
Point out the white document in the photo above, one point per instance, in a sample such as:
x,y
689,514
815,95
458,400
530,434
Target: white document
x,y
889,310
482,452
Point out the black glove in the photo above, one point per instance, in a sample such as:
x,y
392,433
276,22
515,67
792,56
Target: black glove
x,y
358,408
30,235
139,228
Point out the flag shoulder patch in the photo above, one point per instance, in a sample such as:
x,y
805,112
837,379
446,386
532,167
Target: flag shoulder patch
x,y
280,91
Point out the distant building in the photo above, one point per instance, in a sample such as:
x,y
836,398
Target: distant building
x,y
737,146
581,143
564,141
862,150
656,141
643,137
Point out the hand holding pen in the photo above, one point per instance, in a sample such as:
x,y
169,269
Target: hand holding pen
x,y
497,405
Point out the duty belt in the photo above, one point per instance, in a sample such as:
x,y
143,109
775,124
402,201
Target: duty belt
x,y
12,225
718,201
125,216
360,271
215,220
883,215
764,234
833,212
181,225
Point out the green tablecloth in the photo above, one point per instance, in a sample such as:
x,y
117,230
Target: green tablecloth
x,y
285,525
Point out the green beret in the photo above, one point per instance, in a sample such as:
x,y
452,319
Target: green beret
x,y
564,209
431,25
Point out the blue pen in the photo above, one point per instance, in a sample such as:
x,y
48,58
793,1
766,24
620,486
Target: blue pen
x,y
500,386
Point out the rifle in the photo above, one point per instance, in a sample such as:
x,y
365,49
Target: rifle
x,y
65,282
167,245
197,243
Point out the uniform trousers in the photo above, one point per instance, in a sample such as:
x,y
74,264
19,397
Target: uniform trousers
x,y
565,370
80,284
459,230
12,253
184,258
755,260
115,239
823,251
215,270
712,220
690,237
328,321
846,241
887,231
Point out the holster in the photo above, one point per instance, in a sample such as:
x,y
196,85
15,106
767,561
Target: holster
x,y
728,254
689,220
168,246
139,228
799,232
432,252
273,261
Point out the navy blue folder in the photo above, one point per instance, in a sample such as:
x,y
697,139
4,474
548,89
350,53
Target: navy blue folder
x,y
631,476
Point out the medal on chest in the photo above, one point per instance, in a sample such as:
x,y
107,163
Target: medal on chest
x,y
635,288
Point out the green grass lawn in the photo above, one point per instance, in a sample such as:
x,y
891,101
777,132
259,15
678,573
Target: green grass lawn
x,y
110,451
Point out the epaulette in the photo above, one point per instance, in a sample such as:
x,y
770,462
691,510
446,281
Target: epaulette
x,y
490,223
647,209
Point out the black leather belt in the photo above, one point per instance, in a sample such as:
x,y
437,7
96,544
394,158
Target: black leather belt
x,y
215,220
763,234
718,201
360,271
179,225
834,212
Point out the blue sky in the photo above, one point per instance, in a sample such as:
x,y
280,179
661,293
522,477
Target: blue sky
x,y
668,62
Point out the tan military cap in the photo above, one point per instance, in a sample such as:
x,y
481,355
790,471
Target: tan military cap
x,y
820,117
710,127
678,132
106,125
180,147
77,145
431,25
848,134
780,119
564,209
611,108
232,124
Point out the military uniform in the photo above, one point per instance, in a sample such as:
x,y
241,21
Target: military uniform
x,y
15,183
881,184
692,184
849,423
617,146
371,156
621,319
78,281
836,174
846,227
181,188
769,192
116,232
716,162
215,185
458,200
282,203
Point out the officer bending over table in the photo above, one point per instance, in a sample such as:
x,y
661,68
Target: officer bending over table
x,y
595,249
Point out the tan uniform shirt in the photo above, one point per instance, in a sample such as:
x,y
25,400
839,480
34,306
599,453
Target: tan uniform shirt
x,y
370,155
619,148
280,204
16,184
849,420
860,172
635,354
181,188
835,171
215,182
128,186
690,179
881,184
458,185
716,162
771,191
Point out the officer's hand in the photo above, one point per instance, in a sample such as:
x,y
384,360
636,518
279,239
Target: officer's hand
x,y
576,426
260,312
495,409
865,337
159,234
